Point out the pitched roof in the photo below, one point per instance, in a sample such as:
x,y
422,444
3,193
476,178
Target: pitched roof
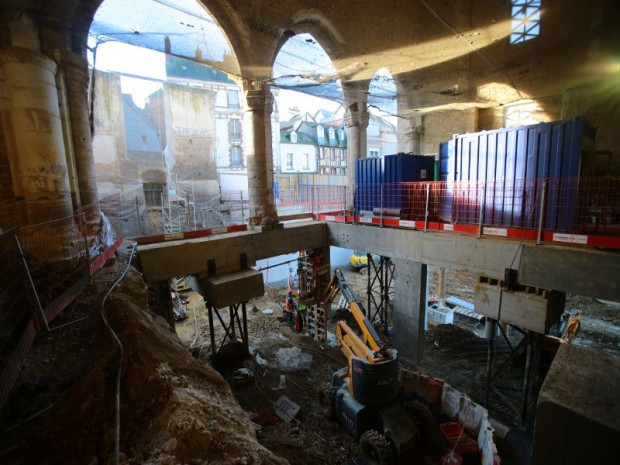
x,y
285,138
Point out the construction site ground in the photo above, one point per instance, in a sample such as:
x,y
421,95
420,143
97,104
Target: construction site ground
x,y
175,408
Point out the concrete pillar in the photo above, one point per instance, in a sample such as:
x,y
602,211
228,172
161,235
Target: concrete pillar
x,y
31,125
441,285
410,302
356,122
259,102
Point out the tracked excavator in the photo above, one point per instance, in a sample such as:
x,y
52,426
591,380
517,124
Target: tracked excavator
x,y
365,396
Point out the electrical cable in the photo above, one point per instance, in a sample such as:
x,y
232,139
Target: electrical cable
x,y
117,434
193,343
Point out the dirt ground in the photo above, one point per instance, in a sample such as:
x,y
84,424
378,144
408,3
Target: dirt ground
x,y
176,409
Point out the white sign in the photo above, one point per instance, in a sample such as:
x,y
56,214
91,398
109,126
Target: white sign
x,y
173,237
406,223
571,238
495,231
330,218
448,227
219,230
365,219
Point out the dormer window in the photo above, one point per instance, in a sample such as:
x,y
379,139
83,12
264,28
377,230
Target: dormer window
x,y
332,133
294,137
320,131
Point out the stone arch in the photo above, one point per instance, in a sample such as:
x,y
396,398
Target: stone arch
x,y
313,22
80,19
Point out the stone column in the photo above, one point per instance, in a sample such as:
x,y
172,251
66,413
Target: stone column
x,y
356,122
410,302
259,102
31,125
76,76
413,136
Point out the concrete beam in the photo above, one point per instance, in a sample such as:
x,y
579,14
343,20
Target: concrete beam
x,y
487,257
526,310
579,271
230,289
576,270
181,258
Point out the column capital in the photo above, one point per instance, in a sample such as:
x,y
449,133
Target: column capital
x,y
357,115
350,118
259,99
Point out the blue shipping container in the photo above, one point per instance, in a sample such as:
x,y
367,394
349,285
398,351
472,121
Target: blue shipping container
x,y
510,161
368,175
391,171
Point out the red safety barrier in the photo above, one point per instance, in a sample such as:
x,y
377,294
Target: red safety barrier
x,y
154,239
579,211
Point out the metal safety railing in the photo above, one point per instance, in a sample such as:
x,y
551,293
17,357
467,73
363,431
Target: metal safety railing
x,y
572,205
43,268
572,210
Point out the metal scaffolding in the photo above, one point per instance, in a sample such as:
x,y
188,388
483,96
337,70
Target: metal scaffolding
x,y
380,290
230,332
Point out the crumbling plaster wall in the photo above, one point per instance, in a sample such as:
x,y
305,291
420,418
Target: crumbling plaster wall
x,y
190,132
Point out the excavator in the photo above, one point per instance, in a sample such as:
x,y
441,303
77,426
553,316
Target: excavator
x,y
365,396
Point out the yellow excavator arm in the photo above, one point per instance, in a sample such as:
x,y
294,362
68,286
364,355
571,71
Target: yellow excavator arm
x,y
369,346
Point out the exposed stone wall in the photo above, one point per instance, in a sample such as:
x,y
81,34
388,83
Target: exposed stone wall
x,y
599,103
439,127
109,131
191,133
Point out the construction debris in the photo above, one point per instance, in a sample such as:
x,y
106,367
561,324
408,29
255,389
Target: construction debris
x,y
286,409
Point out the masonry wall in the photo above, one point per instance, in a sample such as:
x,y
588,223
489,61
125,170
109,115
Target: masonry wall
x,y
190,130
109,135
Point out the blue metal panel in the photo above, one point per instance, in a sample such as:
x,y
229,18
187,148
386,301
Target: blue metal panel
x,y
446,161
404,168
447,165
390,171
368,175
511,161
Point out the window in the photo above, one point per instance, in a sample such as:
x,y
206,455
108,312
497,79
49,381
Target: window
x,y
306,159
523,114
233,99
332,133
235,156
320,131
289,161
234,128
525,20
293,137
373,153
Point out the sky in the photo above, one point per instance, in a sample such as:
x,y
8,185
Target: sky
x,y
128,59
